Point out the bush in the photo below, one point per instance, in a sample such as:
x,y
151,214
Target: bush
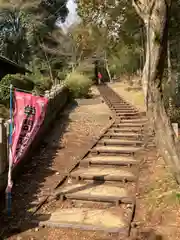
x,y
87,68
62,75
173,110
113,70
4,111
175,115
18,81
42,85
78,84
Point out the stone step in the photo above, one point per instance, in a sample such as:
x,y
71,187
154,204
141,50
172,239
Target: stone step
x,y
118,107
120,118
123,135
125,108
128,109
115,149
122,106
124,129
122,125
103,174
110,141
128,114
108,220
111,160
95,191
125,111
137,120
118,101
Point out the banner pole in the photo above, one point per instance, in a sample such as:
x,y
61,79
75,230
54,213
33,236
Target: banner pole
x,y
9,183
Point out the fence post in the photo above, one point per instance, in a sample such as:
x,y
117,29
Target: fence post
x,y
47,94
3,147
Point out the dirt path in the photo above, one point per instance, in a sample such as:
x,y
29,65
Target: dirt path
x,y
131,94
70,135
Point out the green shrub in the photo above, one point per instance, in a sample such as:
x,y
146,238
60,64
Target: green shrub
x,y
78,84
4,111
173,110
175,115
42,85
62,75
18,81
113,70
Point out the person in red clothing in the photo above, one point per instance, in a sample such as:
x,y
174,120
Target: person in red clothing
x,y
99,78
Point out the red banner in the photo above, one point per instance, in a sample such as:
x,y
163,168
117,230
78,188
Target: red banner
x,y
29,113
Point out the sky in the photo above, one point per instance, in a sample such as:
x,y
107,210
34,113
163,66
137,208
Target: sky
x,y
72,16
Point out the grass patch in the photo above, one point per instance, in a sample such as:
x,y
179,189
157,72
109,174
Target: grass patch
x,y
133,95
79,84
163,190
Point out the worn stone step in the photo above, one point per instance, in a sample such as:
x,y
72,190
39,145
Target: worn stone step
x,y
124,129
122,112
104,174
130,113
122,125
115,149
126,117
126,110
111,160
123,135
137,120
95,191
120,104
110,141
121,108
109,220
127,114
118,101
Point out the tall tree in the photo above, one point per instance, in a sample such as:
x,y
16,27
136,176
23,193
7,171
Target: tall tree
x,y
13,36
40,17
156,16
118,24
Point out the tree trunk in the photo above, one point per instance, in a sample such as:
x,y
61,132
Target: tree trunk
x,y
169,64
155,16
107,67
170,83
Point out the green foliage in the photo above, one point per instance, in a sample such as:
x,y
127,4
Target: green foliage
x,y
40,76
78,84
62,75
4,112
173,110
175,115
13,41
42,86
126,60
18,81
87,68
120,33
26,33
